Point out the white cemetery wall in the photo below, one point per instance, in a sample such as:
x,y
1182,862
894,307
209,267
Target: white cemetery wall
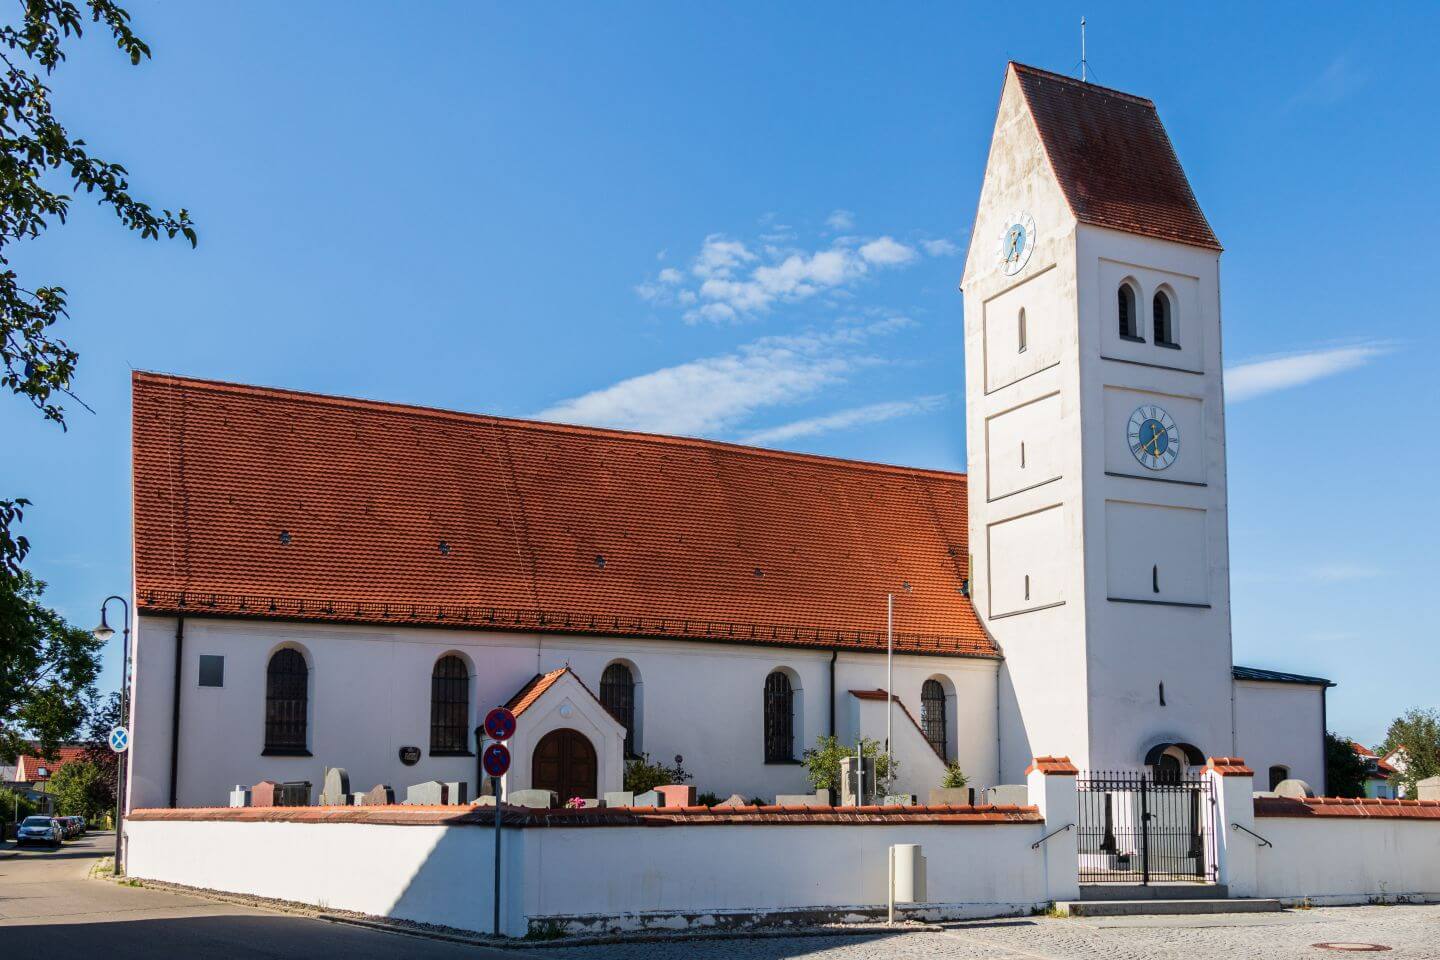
x,y
1345,860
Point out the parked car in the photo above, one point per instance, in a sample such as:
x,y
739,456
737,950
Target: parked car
x,y
71,826
45,830
81,826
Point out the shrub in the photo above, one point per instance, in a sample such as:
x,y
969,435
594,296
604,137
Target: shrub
x,y
15,806
707,799
643,774
954,777
822,763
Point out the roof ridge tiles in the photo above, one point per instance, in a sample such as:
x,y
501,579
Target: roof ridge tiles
x,y
1085,85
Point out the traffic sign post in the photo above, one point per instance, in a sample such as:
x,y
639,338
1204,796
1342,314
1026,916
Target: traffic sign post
x,y
500,726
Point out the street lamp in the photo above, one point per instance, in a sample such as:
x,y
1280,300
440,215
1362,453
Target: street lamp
x,y
102,633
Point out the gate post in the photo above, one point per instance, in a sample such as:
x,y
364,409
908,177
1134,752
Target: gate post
x,y
1051,785
1234,849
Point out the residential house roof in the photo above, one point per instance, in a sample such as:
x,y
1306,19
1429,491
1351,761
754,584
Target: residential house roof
x,y
258,502
36,769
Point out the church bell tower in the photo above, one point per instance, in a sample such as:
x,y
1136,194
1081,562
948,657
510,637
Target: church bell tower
x,y
1096,434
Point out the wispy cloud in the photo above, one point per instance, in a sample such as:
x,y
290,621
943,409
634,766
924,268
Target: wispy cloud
x,y
1339,572
1340,78
715,395
844,419
731,279
1255,378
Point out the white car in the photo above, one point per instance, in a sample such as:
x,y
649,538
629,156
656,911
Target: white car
x,y
39,830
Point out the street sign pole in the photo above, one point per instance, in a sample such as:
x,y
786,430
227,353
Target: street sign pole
x,y
495,789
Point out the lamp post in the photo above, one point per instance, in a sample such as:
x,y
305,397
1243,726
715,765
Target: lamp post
x,y
104,632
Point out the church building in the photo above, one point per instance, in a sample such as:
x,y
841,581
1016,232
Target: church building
x,y
322,581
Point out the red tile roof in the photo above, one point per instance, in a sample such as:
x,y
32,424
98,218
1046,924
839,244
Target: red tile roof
x,y
536,686
1052,766
1347,807
1113,159
259,502
28,767
1229,767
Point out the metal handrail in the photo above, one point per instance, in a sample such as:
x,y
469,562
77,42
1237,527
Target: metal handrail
x,y
1263,841
1036,844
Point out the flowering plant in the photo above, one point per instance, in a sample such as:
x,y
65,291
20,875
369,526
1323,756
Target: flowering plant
x,y
575,803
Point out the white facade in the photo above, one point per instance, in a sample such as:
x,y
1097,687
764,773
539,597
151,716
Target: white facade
x,y
1100,580
1281,725
369,695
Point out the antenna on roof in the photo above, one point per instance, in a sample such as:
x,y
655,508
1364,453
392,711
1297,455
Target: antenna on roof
x,y
1082,50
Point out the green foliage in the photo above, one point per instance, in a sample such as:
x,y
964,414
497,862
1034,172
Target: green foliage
x,y
80,790
954,777
47,669
707,799
15,806
1344,770
1418,732
822,763
643,774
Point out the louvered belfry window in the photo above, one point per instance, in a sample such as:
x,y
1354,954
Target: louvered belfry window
x,y
1128,326
617,693
779,719
1164,320
449,706
932,714
287,682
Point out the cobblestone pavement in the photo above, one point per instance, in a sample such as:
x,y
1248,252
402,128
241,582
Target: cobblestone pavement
x,y
1410,931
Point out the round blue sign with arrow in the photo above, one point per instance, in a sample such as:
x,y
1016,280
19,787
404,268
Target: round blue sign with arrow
x,y
119,739
496,759
500,724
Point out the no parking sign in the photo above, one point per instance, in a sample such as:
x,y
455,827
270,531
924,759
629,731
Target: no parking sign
x,y
496,759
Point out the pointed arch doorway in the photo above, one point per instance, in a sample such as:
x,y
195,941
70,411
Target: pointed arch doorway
x,y
564,761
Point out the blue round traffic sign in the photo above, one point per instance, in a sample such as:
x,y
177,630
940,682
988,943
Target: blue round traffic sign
x,y
500,724
119,739
496,759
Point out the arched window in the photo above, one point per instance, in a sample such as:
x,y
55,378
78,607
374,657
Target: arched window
x,y
1164,320
779,719
1278,773
1129,321
1022,335
287,703
1168,769
617,693
932,715
449,706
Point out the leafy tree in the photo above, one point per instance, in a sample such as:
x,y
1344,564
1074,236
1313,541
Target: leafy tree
x,y
80,790
1418,731
15,806
103,716
823,763
1345,772
42,168
47,670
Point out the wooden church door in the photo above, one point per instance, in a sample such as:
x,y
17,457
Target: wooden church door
x,y
564,761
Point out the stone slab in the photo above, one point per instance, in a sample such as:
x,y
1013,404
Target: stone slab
x,y
335,791
820,798
431,793
619,798
459,791
380,795
1155,908
898,800
1427,789
649,798
1008,793
677,795
240,796
537,799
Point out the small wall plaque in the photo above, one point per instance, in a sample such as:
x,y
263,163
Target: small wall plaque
x,y
409,756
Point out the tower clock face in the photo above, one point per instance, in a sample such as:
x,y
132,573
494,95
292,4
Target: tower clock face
x,y
1017,242
1153,437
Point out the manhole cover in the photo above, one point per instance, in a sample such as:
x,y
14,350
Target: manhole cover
x,y
1352,947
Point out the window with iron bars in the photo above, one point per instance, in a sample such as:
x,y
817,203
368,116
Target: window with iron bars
x,y
617,694
287,682
449,706
932,715
779,719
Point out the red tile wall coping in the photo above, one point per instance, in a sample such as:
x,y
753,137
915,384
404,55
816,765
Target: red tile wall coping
x,y
524,817
1229,767
1348,807
1052,766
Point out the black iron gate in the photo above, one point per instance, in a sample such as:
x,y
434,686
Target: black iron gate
x,y
1146,828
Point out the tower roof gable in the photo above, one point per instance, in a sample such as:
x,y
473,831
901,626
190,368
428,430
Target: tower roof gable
x,y
1113,159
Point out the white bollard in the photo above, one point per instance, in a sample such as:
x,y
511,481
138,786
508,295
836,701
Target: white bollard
x,y
907,876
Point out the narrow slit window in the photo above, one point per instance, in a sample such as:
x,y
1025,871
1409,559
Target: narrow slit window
x,y
1022,454
1155,579
1021,332
1162,694
1027,586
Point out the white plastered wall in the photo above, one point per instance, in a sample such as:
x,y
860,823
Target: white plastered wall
x,y
1281,724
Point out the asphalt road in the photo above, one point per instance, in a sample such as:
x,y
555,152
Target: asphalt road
x,y
50,909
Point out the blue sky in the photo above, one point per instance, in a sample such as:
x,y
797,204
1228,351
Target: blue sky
x,y
748,222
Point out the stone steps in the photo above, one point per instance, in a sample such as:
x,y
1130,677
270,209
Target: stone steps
x,y
1154,891
1153,907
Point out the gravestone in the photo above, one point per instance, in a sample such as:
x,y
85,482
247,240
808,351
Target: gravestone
x,y
263,794
240,796
677,795
293,793
1294,789
1007,795
459,791
536,799
857,781
486,801
336,791
357,799
734,800
820,798
430,793
380,795
898,800
619,798
1428,789
649,798
951,796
